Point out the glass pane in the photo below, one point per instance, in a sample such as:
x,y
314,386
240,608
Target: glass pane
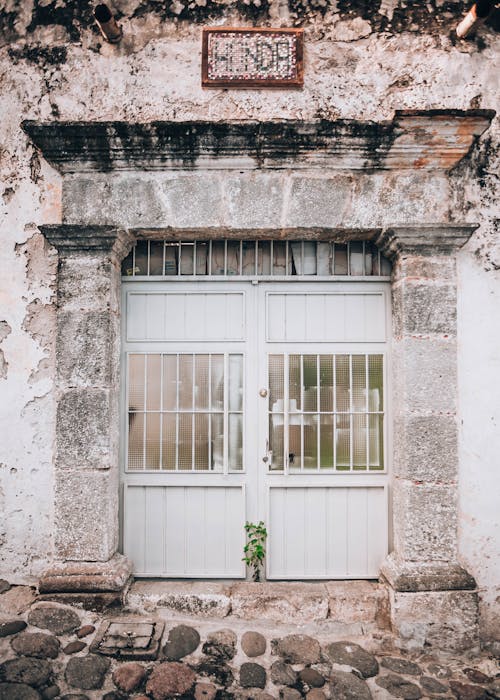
x,y
359,444
201,442
201,381
276,422
342,443
169,382
168,441
187,262
153,441
342,383
264,264
235,382
309,257
233,257
235,441
279,258
310,377
276,382
248,257
217,382
136,382
326,445
185,382
153,394
128,264
385,266
376,424
311,442
375,378
357,262
185,441
201,258
171,253
218,256
295,442
217,441
358,383
326,382
141,258
295,382
340,260
156,258
136,441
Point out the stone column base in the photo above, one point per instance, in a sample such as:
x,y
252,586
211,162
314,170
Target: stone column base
x,y
91,585
411,577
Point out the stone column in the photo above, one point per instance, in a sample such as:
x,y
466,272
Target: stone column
x,y
433,597
87,422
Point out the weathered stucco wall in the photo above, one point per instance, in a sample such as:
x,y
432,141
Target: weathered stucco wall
x,y
363,60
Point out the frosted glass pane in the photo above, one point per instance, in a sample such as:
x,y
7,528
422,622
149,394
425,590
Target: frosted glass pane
x,y
201,379
358,383
326,443
136,441
235,441
201,442
235,382
359,443
326,382
310,442
276,422
310,379
217,441
136,382
295,381
217,382
375,378
376,424
153,421
185,441
276,382
168,441
169,382
153,390
295,443
342,382
185,382
343,443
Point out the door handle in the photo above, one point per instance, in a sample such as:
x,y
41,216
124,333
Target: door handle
x,y
269,453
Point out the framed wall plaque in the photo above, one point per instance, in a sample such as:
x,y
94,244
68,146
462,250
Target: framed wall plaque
x,y
251,57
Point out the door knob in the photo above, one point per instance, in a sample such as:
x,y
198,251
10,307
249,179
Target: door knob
x,y
263,393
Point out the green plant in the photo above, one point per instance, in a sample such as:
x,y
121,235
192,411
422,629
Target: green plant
x,y
255,549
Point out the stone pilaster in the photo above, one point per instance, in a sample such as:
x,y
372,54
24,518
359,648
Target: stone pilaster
x,y
425,443
87,423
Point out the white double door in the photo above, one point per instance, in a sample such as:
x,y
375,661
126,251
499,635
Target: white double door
x,y
249,402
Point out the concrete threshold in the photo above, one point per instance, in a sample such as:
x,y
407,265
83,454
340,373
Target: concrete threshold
x,y
340,608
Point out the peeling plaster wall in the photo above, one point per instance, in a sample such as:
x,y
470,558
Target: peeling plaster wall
x,y
363,60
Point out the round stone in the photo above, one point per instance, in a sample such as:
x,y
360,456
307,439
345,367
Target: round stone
x,y
221,644
216,671
476,676
4,586
86,672
11,627
399,687
312,678
253,644
128,677
349,654
170,679
51,692
37,644
205,691
315,694
58,619
33,672
18,691
399,665
438,670
431,685
290,694
347,686
182,640
85,631
252,676
74,647
464,691
283,674
299,649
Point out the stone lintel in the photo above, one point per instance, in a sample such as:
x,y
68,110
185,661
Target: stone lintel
x,y
413,577
308,233
426,239
70,239
87,577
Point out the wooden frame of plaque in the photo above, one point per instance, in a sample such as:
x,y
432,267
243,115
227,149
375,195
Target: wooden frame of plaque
x,y
277,60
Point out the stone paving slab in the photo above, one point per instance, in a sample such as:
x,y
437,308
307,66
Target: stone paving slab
x,y
230,658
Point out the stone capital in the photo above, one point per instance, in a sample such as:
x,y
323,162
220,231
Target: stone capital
x,y
71,239
424,240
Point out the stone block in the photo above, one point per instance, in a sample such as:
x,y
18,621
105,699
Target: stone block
x,y
86,514
442,268
444,620
424,309
83,429
86,281
318,201
425,376
16,600
86,576
426,448
416,576
425,521
193,201
254,200
207,599
280,602
84,348
121,200
358,601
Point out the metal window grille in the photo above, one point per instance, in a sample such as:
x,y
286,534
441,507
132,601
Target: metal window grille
x,y
326,412
261,258
185,412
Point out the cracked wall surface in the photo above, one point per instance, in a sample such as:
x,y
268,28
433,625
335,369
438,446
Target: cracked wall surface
x,y
363,61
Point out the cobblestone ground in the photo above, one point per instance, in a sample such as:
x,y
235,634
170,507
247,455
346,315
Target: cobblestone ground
x,y
49,650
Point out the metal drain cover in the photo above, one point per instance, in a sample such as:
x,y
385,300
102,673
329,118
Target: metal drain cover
x,y
129,639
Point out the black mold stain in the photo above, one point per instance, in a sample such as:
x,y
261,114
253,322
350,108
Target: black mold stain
x,y
41,55
73,16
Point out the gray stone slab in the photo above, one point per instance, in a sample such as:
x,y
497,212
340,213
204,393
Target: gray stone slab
x,y
85,282
254,201
283,602
424,309
84,348
318,201
425,447
193,200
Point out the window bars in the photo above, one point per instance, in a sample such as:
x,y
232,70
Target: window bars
x,y
261,258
